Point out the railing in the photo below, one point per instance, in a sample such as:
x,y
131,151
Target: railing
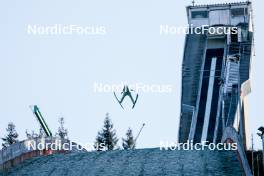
x,y
18,149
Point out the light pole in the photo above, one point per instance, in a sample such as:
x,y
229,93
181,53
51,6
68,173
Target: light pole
x,y
261,134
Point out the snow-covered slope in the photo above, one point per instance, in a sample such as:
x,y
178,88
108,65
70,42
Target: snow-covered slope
x,y
153,162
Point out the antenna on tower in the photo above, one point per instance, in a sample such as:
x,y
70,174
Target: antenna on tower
x,y
193,2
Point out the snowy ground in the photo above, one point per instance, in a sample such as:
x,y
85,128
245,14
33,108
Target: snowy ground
x,y
151,162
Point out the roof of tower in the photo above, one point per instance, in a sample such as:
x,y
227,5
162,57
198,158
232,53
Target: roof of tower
x,y
219,4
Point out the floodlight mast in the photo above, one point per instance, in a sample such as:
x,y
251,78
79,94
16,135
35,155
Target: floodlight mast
x,y
138,134
41,120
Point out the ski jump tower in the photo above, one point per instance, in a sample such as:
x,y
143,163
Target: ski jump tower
x,y
216,73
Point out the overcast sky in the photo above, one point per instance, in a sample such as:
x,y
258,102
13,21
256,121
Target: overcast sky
x,y
58,72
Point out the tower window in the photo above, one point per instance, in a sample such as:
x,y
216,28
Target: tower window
x,y
200,14
239,12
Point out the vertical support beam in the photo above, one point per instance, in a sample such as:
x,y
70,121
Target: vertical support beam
x,y
223,116
242,130
209,100
252,155
258,163
196,110
242,127
262,137
219,109
193,125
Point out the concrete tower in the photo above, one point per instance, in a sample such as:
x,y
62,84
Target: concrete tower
x,y
216,71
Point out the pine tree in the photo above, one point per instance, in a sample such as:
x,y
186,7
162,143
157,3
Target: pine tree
x,y
62,132
99,142
33,134
41,132
29,136
12,135
129,142
107,136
